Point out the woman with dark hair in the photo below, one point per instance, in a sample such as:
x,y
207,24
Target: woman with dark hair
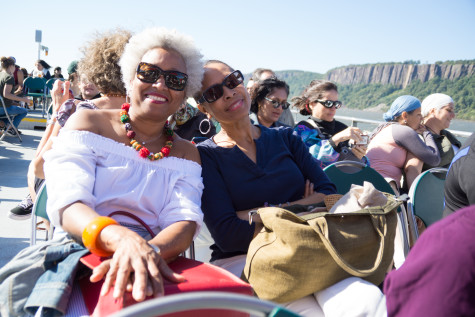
x,y
395,146
6,91
268,101
42,69
249,166
327,138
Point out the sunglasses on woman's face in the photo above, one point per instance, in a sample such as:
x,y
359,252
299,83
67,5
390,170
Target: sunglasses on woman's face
x,y
215,92
284,104
150,74
330,103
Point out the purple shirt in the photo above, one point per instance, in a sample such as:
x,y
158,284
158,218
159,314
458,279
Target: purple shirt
x,y
438,277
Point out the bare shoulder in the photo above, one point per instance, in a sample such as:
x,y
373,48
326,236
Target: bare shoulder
x,y
185,149
90,120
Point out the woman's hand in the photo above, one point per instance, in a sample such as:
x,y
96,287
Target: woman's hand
x,y
309,189
59,94
359,150
134,267
352,133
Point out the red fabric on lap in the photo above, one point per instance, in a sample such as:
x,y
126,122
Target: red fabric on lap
x,y
199,277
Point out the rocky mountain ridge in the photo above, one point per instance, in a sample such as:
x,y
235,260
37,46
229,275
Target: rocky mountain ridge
x,y
398,74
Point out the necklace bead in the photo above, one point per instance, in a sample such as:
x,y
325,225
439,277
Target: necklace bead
x,y
143,151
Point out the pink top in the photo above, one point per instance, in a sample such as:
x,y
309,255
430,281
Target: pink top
x,y
388,149
382,147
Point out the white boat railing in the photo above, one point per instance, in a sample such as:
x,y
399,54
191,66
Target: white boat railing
x,y
354,123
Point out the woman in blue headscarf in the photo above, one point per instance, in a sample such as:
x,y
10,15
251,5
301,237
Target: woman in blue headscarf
x,y
395,146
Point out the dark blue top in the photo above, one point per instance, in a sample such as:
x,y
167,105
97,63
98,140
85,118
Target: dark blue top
x,y
233,182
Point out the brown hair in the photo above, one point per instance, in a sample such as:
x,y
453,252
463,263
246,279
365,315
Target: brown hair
x,y
6,62
100,63
315,90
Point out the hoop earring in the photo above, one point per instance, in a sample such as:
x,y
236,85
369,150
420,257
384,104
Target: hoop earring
x,y
209,126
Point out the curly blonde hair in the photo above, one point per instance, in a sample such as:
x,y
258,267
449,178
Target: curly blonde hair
x,y
100,63
160,37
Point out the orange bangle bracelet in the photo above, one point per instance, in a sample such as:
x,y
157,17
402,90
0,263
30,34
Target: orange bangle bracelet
x,y
92,231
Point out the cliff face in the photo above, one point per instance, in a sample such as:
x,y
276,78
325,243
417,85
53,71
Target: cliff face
x,y
398,74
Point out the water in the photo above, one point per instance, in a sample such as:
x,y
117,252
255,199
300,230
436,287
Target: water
x,y
461,125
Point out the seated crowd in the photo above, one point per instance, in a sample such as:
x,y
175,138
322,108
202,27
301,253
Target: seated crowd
x,y
119,140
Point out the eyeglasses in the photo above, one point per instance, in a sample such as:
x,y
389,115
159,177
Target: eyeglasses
x,y
215,92
284,104
149,73
330,103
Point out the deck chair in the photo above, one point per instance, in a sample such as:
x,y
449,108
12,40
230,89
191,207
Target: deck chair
x,y
427,197
345,173
205,300
10,118
36,87
39,210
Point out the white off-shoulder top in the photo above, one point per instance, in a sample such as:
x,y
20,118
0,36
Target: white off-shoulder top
x,y
109,176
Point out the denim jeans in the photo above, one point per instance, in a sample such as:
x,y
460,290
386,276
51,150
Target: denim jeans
x,y
41,275
19,113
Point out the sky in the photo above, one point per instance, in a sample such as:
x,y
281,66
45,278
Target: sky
x,y
311,35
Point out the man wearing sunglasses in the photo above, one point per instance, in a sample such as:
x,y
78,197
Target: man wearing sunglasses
x,y
327,138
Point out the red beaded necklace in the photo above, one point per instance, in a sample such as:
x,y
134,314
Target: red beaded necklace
x,y
143,151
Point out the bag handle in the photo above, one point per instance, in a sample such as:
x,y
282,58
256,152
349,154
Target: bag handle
x,y
134,217
339,259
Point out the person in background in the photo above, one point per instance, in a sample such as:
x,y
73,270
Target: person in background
x,y
437,278
7,83
88,89
438,113
327,138
268,101
73,78
57,73
19,78
261,74
459,189
41,70
191,124
395,146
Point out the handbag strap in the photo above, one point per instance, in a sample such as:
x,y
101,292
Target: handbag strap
x,y
134,217
322,222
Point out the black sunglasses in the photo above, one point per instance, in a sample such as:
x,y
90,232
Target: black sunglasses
x,y
215,92
149,73
330,103
284,104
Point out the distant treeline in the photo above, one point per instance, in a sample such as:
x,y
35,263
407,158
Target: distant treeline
x,y
362,96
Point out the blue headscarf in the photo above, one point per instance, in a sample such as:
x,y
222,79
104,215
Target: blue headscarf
x,y
401,104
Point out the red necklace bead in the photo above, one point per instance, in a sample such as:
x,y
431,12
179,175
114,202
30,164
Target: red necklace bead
x,y
143,151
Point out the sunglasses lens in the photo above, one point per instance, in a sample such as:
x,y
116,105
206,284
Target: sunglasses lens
x,y
213,93
337,104
233,80
285,105
176,80
147,74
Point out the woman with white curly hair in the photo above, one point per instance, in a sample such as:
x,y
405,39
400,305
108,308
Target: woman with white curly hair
x,y
128,160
